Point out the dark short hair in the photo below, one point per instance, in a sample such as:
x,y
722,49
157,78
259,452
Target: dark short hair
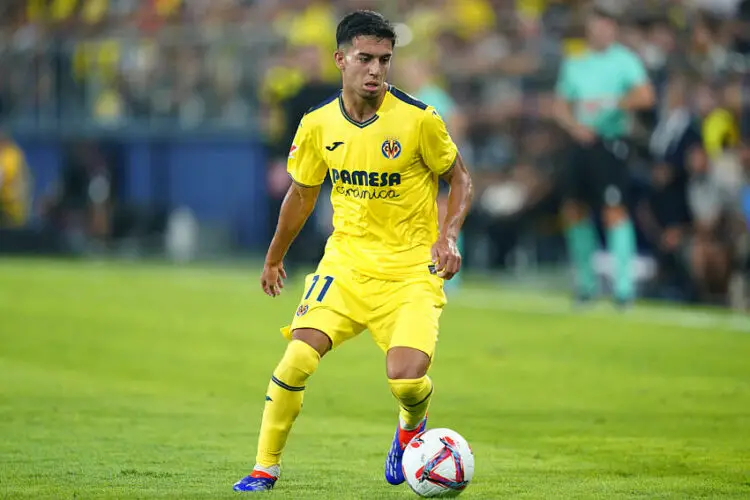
x,y
364,23
604,14
607,10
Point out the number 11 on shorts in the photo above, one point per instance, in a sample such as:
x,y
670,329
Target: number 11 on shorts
x,y
323,291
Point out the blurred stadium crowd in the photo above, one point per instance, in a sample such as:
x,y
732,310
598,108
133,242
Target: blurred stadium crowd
x,y
489,66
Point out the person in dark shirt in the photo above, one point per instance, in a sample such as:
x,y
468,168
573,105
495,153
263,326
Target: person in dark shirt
x,y
742,28
309,244
82,202
314,91
665,219
664,214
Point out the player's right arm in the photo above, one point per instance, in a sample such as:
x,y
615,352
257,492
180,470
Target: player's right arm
x,y
297,206
641,94
563,111
307,170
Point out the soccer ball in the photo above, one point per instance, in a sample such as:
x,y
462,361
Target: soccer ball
x,y
438,463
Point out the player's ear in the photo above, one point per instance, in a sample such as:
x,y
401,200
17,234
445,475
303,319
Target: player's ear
x,y
339,57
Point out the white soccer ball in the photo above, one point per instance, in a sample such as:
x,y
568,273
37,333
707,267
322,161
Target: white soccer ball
x,y
438,463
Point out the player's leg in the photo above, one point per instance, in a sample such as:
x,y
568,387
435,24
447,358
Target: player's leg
x,y
580,233
620,233
406,368
284,396
621,244
407,331
323,321
286,391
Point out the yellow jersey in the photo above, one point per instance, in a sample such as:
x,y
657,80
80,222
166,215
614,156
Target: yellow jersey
x,y
14,187
720,131
384,174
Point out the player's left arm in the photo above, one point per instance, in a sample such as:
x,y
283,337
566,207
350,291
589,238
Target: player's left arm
x,y
641,95
441,155
445,252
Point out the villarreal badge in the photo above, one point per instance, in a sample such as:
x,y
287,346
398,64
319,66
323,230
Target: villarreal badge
x,y
391,148
302,310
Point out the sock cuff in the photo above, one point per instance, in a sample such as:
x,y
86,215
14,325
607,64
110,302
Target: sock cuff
x,y
273,471
409,381
411,392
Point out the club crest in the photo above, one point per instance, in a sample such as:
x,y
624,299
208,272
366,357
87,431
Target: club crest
x,y
302,310
391,148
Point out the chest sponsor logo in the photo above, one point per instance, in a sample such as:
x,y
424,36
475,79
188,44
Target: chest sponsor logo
x,y
361,184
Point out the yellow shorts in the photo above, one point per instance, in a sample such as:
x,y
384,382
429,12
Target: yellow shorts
x,y
342,303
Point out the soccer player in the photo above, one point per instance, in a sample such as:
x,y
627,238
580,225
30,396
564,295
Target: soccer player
x,y
596,93
385,263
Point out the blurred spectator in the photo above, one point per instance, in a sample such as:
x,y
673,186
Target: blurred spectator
x,y
281,80
720,127
740,27
419,78
310,23
15,185
313,90
81,204
706,53
168,67
663,215
720,8
711,206
739,292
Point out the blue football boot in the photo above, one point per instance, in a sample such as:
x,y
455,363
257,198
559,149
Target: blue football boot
x,y
256,481
394,473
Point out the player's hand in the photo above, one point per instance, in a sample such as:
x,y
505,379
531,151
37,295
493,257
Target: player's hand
x,y
271,279
583,134
446,257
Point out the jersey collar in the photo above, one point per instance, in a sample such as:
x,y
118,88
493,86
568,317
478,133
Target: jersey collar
x,y
351,120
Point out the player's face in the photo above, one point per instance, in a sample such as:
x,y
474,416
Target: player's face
x,y
364,65
601,31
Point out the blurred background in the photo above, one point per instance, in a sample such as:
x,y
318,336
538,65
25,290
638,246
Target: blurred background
x,y
145,129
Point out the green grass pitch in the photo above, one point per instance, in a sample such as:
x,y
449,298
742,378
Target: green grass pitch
x,y
148,381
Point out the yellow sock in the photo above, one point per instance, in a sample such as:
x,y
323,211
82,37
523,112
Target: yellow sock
x,y
284,400
414,398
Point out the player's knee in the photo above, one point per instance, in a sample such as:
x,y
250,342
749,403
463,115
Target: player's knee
x,y
406,363
411,392
314,338
615,215
299,362
573,212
